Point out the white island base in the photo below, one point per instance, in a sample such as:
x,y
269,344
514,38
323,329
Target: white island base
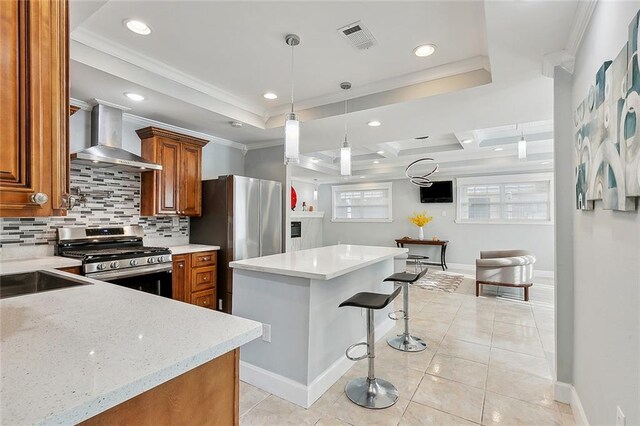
x,y
297,295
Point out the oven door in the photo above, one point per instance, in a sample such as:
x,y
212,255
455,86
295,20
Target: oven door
x,y
154,279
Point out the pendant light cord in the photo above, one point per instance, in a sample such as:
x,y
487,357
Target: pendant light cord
x,y
345,121
292,78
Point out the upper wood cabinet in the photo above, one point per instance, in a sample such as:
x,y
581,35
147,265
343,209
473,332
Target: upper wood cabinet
x,y
34,159
177,188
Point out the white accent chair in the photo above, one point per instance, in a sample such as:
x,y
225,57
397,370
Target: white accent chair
x,y
508,268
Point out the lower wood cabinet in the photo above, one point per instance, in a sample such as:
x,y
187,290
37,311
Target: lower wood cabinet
x,y
194,278
71,269
206,395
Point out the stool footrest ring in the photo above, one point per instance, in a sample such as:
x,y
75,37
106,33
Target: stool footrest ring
x,y
395,315
350,348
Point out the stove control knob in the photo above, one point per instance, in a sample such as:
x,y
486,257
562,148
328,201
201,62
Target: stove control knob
x,y
160,259
150,260
101,266
133,262
115,264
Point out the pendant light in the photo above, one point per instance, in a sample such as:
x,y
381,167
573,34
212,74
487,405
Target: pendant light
x,y
291,124
345,151
315,190
522,145
422,180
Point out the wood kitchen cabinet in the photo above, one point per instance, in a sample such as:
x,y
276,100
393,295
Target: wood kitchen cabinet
x,y
34,108
177,188
207,395
194,278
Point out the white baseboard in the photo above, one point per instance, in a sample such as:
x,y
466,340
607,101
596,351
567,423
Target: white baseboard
x,y
562,392
274,383
566,393
298,393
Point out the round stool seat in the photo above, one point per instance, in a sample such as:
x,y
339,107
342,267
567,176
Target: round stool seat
x,y
370,300
417,257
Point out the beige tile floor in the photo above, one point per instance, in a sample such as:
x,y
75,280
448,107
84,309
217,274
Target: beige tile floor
x,y
488,362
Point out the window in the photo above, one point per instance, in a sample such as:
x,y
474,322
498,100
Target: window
x,y
506,199
369,202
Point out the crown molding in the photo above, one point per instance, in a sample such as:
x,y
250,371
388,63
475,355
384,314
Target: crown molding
x,y
147,122
104,45
561,58
265,144
566,57
85,106
584,11
434,73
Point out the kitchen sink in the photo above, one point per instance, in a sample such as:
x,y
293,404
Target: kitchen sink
x,y
34,282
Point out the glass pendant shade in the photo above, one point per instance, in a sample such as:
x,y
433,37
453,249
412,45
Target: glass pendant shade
x,y
315,194
522,148
345,160
292,139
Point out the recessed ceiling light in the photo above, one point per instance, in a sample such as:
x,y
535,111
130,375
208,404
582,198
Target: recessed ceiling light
x,y
236,124
467,140
374,123
361,177
380,152
546,162
134,96
137,27
424,50
376,162
498,149
315,160
270,96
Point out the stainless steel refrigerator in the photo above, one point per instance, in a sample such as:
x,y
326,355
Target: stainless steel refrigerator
x,y
243,216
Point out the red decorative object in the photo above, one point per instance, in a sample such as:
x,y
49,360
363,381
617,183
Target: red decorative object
x,y
294,198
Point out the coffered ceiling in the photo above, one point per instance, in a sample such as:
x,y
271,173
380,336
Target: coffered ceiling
x,y
207,63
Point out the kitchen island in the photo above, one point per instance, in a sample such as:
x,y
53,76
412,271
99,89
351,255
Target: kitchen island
x,y
107,354
296,295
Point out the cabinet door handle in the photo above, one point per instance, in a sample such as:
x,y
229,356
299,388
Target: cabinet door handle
x,y
205,278
39,198
206,302
204,259
180,265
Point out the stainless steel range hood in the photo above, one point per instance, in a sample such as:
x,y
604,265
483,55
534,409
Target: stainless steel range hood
x,y
106,143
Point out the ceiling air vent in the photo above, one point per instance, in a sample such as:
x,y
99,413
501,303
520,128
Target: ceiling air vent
x,y
421,138
358,35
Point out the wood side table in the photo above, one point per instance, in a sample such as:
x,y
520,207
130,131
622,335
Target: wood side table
x,y
443,249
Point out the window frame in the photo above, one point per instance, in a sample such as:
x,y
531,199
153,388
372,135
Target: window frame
x,y
503,180
362,187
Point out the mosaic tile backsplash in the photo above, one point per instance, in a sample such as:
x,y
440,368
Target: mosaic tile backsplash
x,y
121,208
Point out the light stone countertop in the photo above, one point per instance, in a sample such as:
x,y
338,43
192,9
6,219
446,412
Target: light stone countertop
x,y
323,263
70,354
192,248
18,266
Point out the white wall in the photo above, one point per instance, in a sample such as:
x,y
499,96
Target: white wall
x,y
466,240
564,205
606,365
305,194
217,159
268,163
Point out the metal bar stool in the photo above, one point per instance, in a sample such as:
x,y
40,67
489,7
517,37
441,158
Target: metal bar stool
x,y
405,341
370,391
417,259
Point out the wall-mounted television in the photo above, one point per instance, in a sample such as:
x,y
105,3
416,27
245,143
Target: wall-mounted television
x,y
439,192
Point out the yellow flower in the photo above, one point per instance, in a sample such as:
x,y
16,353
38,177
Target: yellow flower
x,y
420,219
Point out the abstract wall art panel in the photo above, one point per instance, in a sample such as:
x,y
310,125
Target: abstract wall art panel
x,y
607,133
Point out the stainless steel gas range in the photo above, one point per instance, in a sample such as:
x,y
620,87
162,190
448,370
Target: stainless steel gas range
x,y
118,255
